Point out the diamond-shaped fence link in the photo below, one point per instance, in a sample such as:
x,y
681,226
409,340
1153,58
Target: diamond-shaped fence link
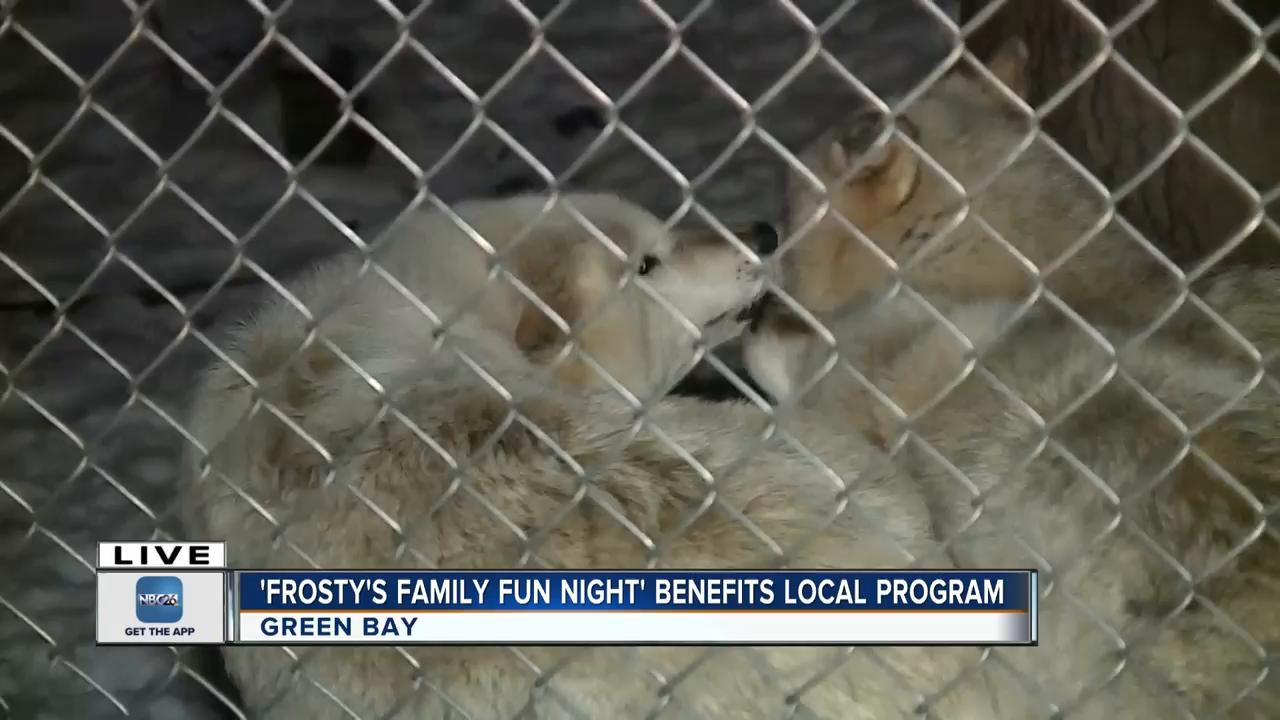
x,y
167,165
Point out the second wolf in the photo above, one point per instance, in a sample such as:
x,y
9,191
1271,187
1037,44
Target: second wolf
x,y
1098,425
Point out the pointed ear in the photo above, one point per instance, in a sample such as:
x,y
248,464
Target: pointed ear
x,y
1009,65
568,287
538,332
886,173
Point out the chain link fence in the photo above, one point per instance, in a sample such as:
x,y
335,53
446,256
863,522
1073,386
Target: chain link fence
x,y
163,164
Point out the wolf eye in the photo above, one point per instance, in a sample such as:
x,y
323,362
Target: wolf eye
x,y
648,263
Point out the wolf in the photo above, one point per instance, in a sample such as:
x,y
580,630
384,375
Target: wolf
x,y
486,389
1093,423
961,199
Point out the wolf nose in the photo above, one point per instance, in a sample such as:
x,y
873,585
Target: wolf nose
x,y
764,238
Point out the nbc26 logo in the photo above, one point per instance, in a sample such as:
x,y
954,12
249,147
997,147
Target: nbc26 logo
x,y
159,599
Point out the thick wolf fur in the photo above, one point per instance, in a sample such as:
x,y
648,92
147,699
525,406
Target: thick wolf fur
x,y
1048,452
1114,502
303,464
873,198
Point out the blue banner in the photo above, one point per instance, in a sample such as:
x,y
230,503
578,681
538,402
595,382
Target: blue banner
x,y
634,590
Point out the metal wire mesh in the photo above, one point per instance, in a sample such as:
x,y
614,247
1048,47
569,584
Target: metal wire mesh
x,y
125,221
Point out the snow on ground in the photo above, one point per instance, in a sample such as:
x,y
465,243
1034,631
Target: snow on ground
x,y
92,398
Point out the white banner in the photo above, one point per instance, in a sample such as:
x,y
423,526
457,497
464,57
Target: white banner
x,y
162,608
639,627
166,555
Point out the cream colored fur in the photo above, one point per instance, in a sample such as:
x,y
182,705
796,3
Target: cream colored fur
x,y
1111,500
953,195
353,481
1108,502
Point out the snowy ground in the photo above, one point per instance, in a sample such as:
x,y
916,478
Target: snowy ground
x,y
94,386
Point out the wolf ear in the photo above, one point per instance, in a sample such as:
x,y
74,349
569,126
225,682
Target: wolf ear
x,y
1009,65
536,331
886,172
566,286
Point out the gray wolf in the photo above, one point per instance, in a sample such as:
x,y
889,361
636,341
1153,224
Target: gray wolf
x,y
1136,465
